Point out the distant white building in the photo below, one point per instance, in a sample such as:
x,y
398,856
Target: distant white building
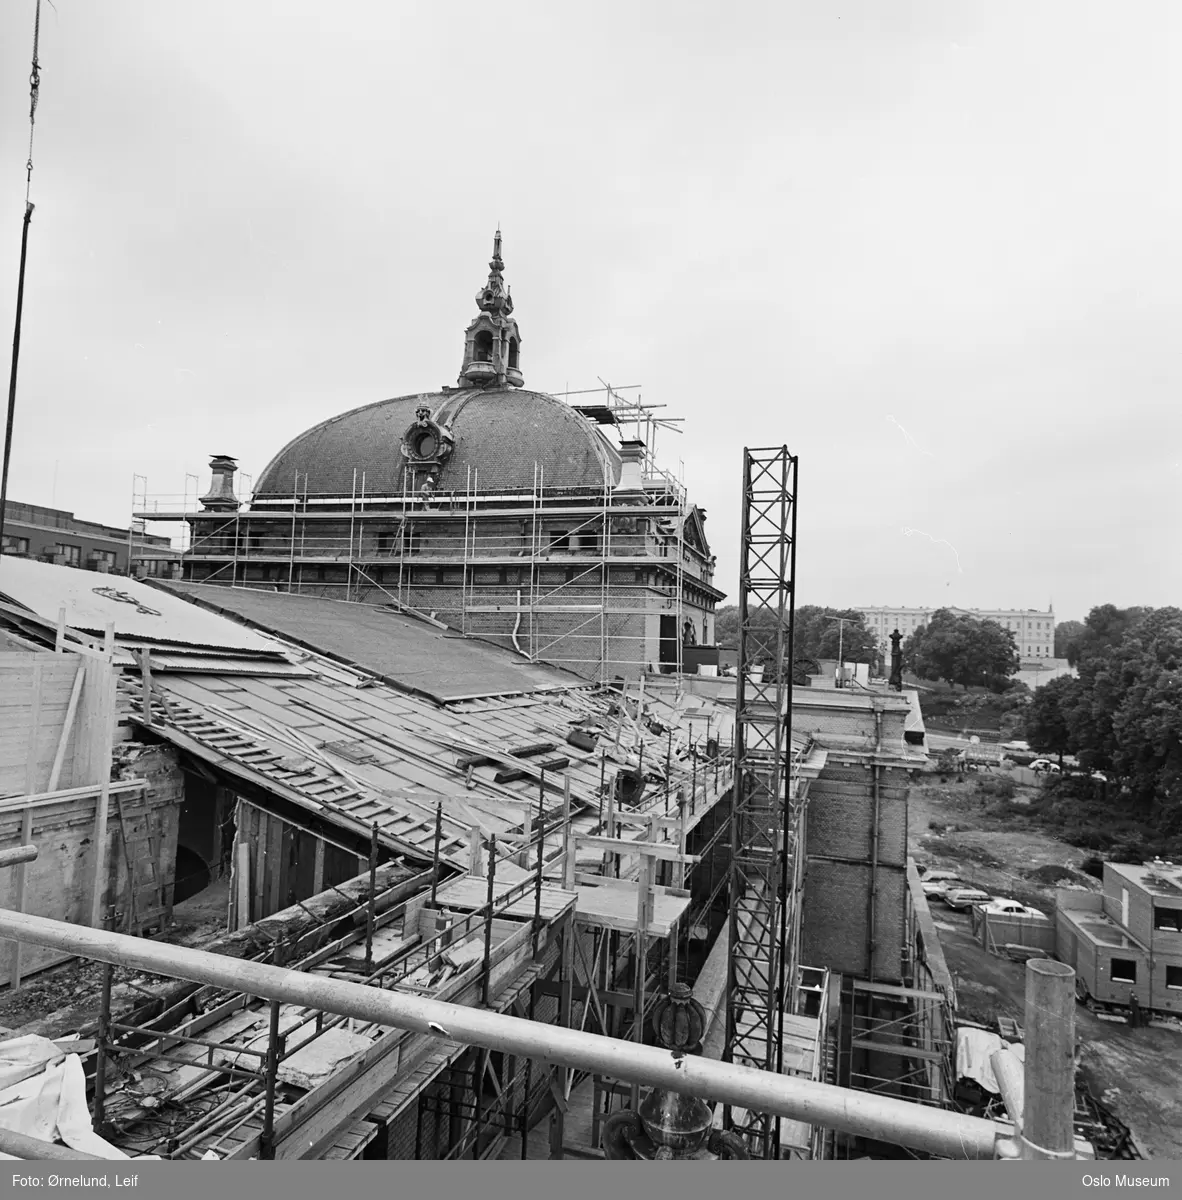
x,y
1033,629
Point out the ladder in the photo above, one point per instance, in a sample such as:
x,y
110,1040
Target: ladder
x,y
146,904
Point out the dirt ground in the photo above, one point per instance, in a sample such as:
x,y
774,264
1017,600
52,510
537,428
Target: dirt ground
x,y
1136,1072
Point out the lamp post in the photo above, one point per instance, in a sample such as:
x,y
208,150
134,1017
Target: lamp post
x,y
841,624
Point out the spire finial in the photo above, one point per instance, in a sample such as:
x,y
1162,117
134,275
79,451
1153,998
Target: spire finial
x,y
493,298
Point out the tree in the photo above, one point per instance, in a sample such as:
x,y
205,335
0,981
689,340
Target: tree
x,y
1146,720
832,633
1068,636
959,648
819,632
1050,718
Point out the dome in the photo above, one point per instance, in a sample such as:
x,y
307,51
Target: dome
x,y
499,434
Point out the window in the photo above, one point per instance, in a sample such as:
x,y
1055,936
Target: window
x,y
1174,978
72,554
560,540
15,545
1169,919
513,352
482,348
587,542
1124,970
388,542
103,556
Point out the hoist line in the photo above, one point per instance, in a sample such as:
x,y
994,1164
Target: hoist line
x,y
34,92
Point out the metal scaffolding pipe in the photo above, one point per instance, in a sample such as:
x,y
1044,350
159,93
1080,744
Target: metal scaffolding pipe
x,y
947,1134
20,1145
18,854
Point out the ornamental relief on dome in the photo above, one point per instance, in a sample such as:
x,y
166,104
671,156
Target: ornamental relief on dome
x,y
427,443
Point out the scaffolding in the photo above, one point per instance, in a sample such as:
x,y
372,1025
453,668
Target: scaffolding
x,y
762,952
573,576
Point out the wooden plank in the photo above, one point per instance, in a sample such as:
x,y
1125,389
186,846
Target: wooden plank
x,y
615,908
242,885
34,732
666,851
275,827
99,761
67,727
318,869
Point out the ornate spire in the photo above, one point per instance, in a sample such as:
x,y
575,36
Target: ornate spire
x,y
492,342
493,298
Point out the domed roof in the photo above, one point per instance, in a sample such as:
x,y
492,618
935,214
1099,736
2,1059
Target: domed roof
x,y
500,434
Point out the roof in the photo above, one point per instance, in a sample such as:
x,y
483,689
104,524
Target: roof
x,y
363,755
1158,878
140,614
408,652
499,436
1099,929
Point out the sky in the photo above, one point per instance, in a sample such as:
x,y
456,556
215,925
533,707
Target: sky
x,y
931,247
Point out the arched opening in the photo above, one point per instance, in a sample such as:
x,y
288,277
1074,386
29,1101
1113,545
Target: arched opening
x,y
482,348
192,874
513,352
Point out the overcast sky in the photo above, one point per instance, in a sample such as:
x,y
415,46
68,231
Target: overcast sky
x,y
932,247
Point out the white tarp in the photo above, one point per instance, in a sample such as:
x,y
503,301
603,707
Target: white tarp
x,y
43,1095
973,1050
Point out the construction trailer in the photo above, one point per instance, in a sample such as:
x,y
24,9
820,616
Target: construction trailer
x,y
1125,941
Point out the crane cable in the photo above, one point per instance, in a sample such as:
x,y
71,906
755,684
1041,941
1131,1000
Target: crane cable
x,y
34,91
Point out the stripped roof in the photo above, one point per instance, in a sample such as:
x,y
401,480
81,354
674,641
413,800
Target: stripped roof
x,y
410,653
359,754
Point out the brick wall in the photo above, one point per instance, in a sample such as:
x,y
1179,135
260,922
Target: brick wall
x,y
835,919
838,843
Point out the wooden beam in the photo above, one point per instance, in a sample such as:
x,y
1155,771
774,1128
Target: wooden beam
x,y
60,757
41,799
34,730
666,851
242,882
103,734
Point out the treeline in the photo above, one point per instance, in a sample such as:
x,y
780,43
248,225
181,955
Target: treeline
x,y
1123,713
820,633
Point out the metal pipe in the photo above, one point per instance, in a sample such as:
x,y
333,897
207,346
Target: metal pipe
x,y
18,854
267,1137
100,1061
371,903
1049,1103
872,899
1008,1072
947,1134
31,1149
488,920
435,852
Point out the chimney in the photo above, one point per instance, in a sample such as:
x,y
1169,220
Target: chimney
x,y
631,477
220,497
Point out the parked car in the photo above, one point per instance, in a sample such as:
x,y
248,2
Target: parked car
x,y
935,874
1044,764
937,887
965,897
1101,777
1022,747
1013,908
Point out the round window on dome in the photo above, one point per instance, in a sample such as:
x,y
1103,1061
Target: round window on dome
x,y
426,445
